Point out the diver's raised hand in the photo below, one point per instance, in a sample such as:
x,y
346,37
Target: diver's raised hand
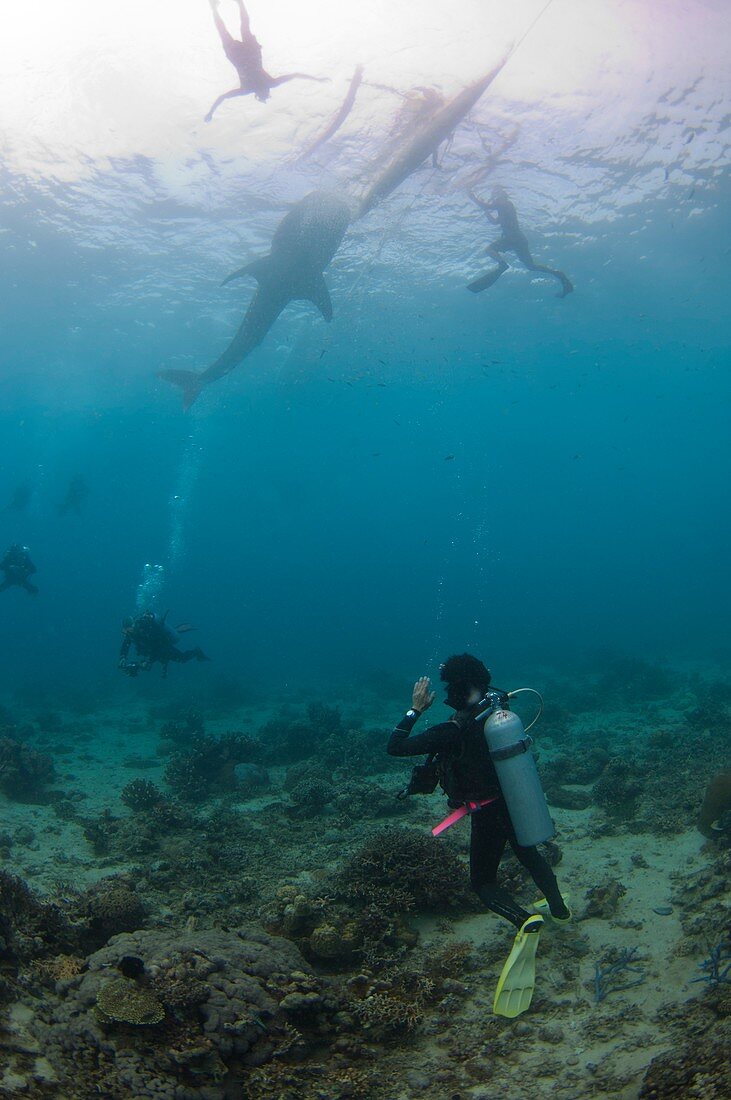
x,y
422,696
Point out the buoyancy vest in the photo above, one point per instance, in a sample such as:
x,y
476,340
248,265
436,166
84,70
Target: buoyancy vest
x,y
466,771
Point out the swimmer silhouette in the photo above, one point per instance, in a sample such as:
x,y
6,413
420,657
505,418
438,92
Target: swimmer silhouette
x,y
501,211
245,56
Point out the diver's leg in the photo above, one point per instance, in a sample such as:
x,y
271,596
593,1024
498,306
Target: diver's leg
x,y
223,33
275,81
490,277
487,844
542,874
226,95
30,588
245,25
566,285
182,656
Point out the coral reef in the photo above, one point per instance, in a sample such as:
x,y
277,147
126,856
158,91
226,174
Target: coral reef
x,y
701,1068
126,1001
24,773
402,869
716,802
610,972
208,767
311,796
602,901
183,728
30,929
141,794
204,1007
108,908
632,678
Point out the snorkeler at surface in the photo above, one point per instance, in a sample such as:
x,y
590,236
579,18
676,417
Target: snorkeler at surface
x,y
461,762
17,567
153,642
245,56
501,211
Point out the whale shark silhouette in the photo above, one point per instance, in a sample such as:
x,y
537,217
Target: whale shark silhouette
x,y
305,241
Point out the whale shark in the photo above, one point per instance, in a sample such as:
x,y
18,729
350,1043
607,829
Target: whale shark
x,y
428,137
303,244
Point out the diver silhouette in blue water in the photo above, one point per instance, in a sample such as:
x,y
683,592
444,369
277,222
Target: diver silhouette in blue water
x,y
500,211
18,567
245,56
503,808
153,642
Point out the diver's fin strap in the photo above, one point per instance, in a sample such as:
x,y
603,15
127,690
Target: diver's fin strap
x,y
459,813
512,750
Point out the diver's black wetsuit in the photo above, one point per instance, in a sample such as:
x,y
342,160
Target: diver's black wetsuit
x,y
467,774
153,642
501,211
17,567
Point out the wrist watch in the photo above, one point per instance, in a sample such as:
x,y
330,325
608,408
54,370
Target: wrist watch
x,y
412,712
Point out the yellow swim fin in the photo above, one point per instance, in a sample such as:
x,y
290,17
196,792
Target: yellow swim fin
x,y
541,906
515,987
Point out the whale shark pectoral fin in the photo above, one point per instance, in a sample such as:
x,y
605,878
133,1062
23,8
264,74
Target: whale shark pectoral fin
x,y
319,295
257,269
188,381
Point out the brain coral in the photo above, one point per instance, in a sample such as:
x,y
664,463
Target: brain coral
x,y
228,999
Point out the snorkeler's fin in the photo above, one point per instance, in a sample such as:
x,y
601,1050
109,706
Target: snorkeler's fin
x,y
486,280
541,906
188,381
515,986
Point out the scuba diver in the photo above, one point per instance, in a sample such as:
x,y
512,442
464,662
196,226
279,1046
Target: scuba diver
x,y
17,567
475,757
153,641
245,56
501,211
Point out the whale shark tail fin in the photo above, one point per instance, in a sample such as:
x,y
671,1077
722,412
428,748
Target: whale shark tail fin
x,y
188,381
317,293
257,269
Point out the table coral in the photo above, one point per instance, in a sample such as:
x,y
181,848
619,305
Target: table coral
x,y
123,1000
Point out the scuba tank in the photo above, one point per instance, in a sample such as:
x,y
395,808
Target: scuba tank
x,y
510,751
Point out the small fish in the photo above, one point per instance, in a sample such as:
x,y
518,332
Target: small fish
x,y
448,458
185,628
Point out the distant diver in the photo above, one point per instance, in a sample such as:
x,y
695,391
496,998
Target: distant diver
x,y
18,567
500,211
153,642
481,760
303,244
76,494
245,56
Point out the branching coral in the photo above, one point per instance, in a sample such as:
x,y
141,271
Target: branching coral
x,y
141,794
402,869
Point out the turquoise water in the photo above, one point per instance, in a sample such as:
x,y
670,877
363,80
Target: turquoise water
x,y
541,482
